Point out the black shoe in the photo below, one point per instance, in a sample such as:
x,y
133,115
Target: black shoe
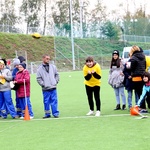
x,y
56,116
45,117
117,107
123,107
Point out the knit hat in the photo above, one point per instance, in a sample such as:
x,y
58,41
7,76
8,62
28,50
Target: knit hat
x,y
115,52
1,62
21,58
16,61
23,65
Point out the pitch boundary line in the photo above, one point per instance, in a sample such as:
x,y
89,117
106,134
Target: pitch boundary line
x,y
65,118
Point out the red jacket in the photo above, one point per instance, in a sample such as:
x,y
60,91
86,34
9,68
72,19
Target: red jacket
x,y
20,78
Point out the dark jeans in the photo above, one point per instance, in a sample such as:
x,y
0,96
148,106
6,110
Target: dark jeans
x,y
96,91
138,86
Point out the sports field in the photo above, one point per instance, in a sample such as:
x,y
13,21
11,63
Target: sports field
x,y
113,130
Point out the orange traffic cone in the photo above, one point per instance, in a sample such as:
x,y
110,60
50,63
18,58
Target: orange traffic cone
x,y
26,114
134,111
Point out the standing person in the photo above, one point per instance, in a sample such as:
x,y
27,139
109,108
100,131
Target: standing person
x,y
48,78
92,76
116,79
16,63
129,85
22,80
138,65
6,103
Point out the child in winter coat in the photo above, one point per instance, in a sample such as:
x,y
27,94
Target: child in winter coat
x,y
22,80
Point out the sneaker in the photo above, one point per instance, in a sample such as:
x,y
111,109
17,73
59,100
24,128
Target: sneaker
x,y
90,113
31,117
98,113
22,117
143,111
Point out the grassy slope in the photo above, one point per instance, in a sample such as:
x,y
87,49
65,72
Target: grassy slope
x,y
35,48
9,43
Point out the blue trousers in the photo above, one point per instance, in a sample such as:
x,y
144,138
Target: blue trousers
x,y
6,104
18,107
50,101
22,103
120,92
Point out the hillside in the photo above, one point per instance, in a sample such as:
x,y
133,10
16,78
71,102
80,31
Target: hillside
x,y
35,48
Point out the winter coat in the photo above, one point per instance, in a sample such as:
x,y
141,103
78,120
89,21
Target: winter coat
x,y
47,79
128,83
115,78
21,78
8,77
137,64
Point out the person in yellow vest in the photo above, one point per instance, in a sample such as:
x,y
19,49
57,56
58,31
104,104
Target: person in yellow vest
x,y
92,76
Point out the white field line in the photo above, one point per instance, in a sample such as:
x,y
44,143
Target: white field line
x,y
64,118
10,127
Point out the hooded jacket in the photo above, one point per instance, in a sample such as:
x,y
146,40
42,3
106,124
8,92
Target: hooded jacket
x,y
47,79
138,63
22,77
8,77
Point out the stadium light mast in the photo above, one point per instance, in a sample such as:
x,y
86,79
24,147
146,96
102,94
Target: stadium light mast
x,y
81,9
72,39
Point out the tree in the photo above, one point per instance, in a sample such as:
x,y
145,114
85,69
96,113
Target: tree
x,y
61,14
9,18
98,16
110,30
30,9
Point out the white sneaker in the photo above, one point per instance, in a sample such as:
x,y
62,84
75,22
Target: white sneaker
x,y
31,117
90,113
98,113
21,117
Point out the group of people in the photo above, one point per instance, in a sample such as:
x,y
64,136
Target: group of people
x,y
131,76
19,80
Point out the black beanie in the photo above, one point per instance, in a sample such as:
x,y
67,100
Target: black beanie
x,y
115,52
23,65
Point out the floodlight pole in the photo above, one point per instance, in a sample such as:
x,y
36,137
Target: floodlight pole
x,y
72,39
81,9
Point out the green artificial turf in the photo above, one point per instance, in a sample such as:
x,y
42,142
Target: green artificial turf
x,y
113,130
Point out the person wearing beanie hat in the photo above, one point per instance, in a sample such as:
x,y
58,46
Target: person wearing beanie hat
x,y
116,78
22,80
115,52
16,63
